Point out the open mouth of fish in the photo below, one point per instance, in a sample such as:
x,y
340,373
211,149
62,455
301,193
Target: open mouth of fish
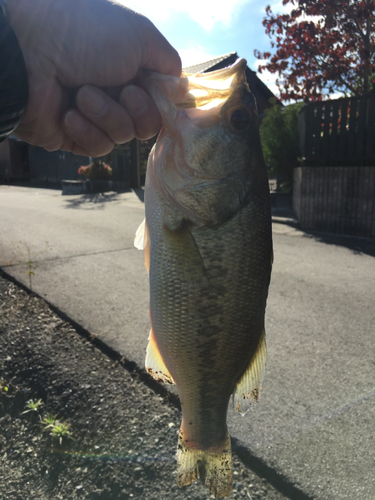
x,y
201,91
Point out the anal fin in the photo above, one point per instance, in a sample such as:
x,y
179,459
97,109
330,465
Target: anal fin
x,y
247,390
155,365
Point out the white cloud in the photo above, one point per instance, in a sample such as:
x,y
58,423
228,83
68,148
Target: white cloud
x,y
194,55
204,12
279,8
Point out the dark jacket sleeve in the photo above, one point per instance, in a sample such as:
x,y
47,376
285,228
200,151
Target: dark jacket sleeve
x,y
13,78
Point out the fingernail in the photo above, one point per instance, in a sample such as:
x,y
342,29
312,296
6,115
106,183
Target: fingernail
x,y
75,122
134,101
93,101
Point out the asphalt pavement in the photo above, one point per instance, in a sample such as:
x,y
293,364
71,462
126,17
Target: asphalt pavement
x,y
312,433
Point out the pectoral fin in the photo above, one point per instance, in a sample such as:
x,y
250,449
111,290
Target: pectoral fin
x,y
247,390
142,242
139,235
155,365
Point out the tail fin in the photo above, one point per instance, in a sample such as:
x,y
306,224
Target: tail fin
x,y
213,467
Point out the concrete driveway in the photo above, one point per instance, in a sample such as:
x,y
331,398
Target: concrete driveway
x,y
312,433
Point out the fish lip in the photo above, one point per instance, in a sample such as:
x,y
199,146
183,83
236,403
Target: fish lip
x,y
168,91
217,85
236,69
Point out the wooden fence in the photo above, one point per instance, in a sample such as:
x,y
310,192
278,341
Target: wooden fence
x,y
334,190
336,199
338,133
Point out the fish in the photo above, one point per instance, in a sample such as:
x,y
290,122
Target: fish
x,y
207,245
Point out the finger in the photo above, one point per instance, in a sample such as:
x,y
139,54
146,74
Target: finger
x,y
72,147
86,135
142,110
107,114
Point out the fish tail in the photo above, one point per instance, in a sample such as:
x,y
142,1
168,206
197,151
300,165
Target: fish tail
x,y
213,466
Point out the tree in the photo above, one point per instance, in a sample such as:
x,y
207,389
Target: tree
x,y
280,144
322,46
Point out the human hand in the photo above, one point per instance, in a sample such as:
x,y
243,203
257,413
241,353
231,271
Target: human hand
x,y
87,51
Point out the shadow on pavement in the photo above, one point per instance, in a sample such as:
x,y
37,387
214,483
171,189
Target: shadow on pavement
x,y
98,201
356,244
94,201
140,192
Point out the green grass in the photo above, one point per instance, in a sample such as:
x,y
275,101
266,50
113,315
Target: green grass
x,y
58,428
33,405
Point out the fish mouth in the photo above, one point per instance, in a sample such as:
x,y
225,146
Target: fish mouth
x,y
209,90
202,91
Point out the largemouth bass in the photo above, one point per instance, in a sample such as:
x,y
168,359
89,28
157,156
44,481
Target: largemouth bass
x,y
208,249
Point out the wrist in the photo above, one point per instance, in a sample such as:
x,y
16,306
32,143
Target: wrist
x,y
13,77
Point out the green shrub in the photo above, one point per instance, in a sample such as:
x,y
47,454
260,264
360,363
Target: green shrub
x,y
279,136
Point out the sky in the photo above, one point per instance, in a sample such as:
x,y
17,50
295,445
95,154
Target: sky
x,y
203,29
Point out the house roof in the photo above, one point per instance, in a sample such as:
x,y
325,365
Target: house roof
x,y
204,66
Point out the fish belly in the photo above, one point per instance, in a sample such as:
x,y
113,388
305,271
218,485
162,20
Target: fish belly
x,y
208,290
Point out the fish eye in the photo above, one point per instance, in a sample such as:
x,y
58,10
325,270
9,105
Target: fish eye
x,y
240,119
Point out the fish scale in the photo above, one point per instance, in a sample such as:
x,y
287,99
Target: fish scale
x,y
210,249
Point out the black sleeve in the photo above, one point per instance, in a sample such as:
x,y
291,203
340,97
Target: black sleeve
x,y
14,89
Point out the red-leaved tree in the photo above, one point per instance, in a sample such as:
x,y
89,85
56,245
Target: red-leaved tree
x,y
322,46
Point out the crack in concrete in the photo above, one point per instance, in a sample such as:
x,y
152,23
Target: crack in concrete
x,y
88,254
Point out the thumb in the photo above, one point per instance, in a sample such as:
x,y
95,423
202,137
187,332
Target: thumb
x,y
157,53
